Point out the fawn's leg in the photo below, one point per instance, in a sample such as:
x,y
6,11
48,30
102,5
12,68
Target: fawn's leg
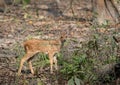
x,y
55,62
30,66
51,62
25,58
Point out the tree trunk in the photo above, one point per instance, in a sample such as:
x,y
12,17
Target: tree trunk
x,y
105,10
2,5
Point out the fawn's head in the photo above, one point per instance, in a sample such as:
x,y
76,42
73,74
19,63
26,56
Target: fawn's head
x,y
63,37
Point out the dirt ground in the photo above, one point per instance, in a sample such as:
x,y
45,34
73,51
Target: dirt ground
x,y
41,19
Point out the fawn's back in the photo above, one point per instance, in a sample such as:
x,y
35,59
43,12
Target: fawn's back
x,y
39,45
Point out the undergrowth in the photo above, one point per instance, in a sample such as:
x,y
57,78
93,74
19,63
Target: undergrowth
x,y
81,67
99,51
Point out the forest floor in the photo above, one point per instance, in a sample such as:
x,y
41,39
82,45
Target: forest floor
x,y
41,20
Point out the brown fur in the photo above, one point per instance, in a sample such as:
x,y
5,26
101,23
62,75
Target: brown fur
x,y
49,47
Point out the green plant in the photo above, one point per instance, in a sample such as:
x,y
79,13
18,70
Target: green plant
x,y
23,1
97,52
41,60
78,70
75,81
26,1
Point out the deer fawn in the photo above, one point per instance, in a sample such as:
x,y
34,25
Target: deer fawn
x,y
50,47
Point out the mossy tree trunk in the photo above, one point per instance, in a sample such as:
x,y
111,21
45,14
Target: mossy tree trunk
x,y
105,10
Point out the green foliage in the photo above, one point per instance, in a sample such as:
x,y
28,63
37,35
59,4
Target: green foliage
x,y
78,70
26,1
75,81
100,50
40,60
39,82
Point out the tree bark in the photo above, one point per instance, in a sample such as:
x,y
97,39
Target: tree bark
x,y
2,5
105,10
